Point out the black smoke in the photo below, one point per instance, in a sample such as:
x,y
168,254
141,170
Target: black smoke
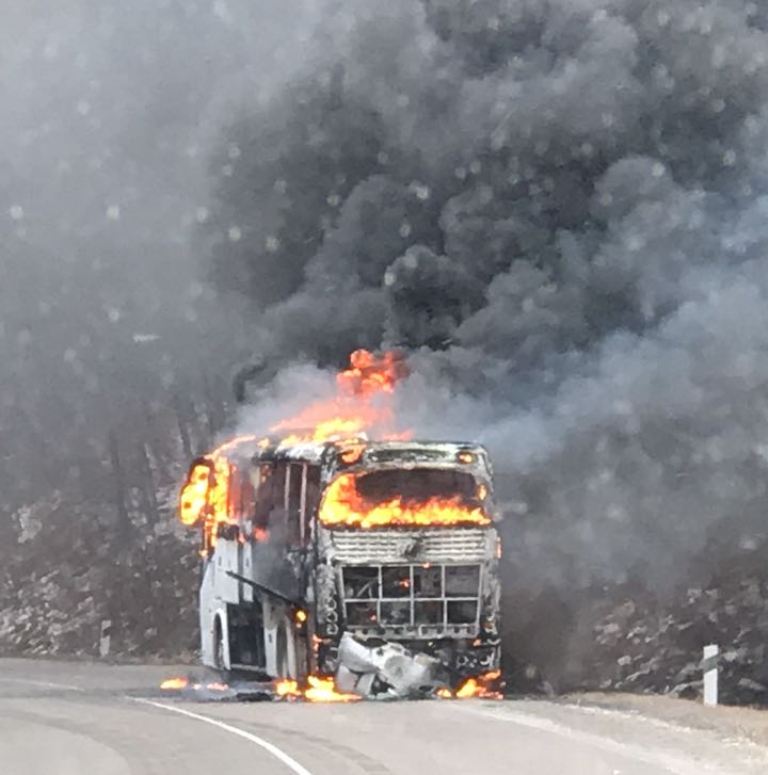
x,y
560,209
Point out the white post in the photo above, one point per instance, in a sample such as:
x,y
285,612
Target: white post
x,y
709,666
105,637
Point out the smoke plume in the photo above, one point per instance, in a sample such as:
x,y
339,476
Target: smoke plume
x,y
559,209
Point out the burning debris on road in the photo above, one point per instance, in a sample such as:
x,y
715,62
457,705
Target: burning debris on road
x,y
326,690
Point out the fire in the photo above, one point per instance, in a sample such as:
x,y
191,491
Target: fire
x,y
324,690
469,688
174,684
317,690
288,689
369,374
206,494
194,496
343,506
361,404
485,687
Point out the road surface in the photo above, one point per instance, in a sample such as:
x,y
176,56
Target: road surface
x,y
84,719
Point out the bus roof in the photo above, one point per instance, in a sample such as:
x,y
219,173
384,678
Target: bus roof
x,y
379,453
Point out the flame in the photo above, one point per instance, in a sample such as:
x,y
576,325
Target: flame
x,y
174,683
360,405
469,688
288,689
317,690
485,687
194,495
369,374
205,496
324,690
342,505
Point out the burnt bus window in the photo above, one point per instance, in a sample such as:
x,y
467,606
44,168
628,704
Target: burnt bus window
x,y
396,582
395,613
428,612
264,500
247,496
362,614
418,484
311,499
462,611
427,581
233,491
278,523
279,472
313,490
361,583
462,580
294,503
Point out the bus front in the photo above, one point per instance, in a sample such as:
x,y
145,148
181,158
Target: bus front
x,y
407,564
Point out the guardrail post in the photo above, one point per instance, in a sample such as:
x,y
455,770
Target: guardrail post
x,y
709,666
105,637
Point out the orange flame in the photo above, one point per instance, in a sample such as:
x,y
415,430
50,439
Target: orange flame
x,y
287,689
360,406
485,687
194,495
324,690
205,496
342,505
317,690
369,374
174,683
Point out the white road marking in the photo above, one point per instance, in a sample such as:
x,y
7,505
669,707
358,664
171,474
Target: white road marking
x,y
42,684
278,753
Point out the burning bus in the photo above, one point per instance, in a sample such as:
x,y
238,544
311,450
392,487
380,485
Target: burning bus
x,y
374,563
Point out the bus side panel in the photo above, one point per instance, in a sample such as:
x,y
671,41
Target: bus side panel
x,y
271,565
213,610
227,557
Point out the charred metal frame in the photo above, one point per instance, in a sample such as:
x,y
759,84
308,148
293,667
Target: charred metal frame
x,y
418,624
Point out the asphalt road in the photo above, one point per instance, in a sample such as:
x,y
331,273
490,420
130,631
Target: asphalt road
x,y
84,719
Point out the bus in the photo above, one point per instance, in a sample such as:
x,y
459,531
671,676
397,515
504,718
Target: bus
x,y
372,562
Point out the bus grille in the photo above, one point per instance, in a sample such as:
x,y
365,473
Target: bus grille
x,y
427,599
433,545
